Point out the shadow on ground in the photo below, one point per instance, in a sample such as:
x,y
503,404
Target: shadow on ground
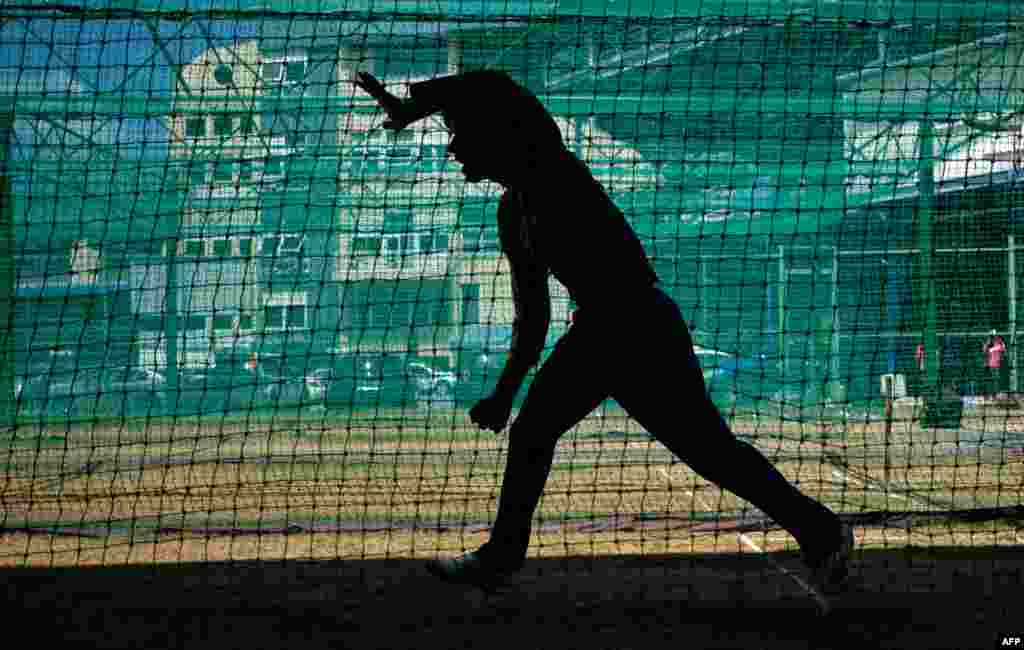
x,y
917,598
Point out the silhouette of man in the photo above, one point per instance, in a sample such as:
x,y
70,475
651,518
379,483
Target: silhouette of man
x,y
628,340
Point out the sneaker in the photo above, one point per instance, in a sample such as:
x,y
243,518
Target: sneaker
x,y
831,569
469,569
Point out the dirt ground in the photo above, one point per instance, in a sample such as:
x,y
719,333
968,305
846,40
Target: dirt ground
x,y
916,598
646,584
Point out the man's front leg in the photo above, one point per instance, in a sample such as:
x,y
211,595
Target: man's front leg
x,y
530,456
564,391
526,473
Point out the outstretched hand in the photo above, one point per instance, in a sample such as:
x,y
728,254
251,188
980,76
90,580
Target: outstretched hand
x,y
491,413
398,111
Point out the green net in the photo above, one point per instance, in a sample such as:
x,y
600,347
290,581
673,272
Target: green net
x,y
244,321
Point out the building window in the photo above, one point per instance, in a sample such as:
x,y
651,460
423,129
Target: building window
x,y
284,71
296,316
435,243
245,247
295,71
380,313
273,167
471,304
272,215
396,246
432,306
245,171
280,245
223,74
222,322
435,157
271,72
197,173
290,244
195,323
401,157
273,123
366,246
479,228
193,247
223,172
223,125
398,305
248,126
398,221
399,246
285,317
221,247
195,127
295,132
392,247
401,312
149,322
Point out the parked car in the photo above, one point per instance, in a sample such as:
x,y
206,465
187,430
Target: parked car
x,y
221,389
57,391
382,380
317,384
731,379
91,392
345,382
285,380
435,387
478,376
132,391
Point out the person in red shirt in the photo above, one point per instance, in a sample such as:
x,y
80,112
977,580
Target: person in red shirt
x,y
628,340
993,350
918,377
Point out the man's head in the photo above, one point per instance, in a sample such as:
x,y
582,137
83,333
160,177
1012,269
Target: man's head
x,y
499,130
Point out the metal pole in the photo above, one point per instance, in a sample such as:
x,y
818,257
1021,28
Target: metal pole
x,y
8,282
171,238
833,363
454,55
926,191
883,313
1011,279
781,305
703,296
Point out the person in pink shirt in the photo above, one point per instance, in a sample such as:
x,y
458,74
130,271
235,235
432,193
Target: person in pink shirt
x,y
918,377
994,348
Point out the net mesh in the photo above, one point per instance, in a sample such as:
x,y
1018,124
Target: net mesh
x,y
244,321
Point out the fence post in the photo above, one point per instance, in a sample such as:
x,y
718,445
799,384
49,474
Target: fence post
x,y
926,268
8,280
1011,290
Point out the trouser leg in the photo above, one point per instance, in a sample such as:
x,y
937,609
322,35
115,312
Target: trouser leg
x,y
565,390
667,396
704,442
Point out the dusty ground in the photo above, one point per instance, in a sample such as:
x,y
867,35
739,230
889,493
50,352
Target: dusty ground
x,y
924,598
290,533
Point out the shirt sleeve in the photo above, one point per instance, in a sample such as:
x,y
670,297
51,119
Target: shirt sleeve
x,y
530,297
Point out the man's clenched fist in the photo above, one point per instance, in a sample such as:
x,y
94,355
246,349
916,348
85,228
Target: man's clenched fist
x,y
492,413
